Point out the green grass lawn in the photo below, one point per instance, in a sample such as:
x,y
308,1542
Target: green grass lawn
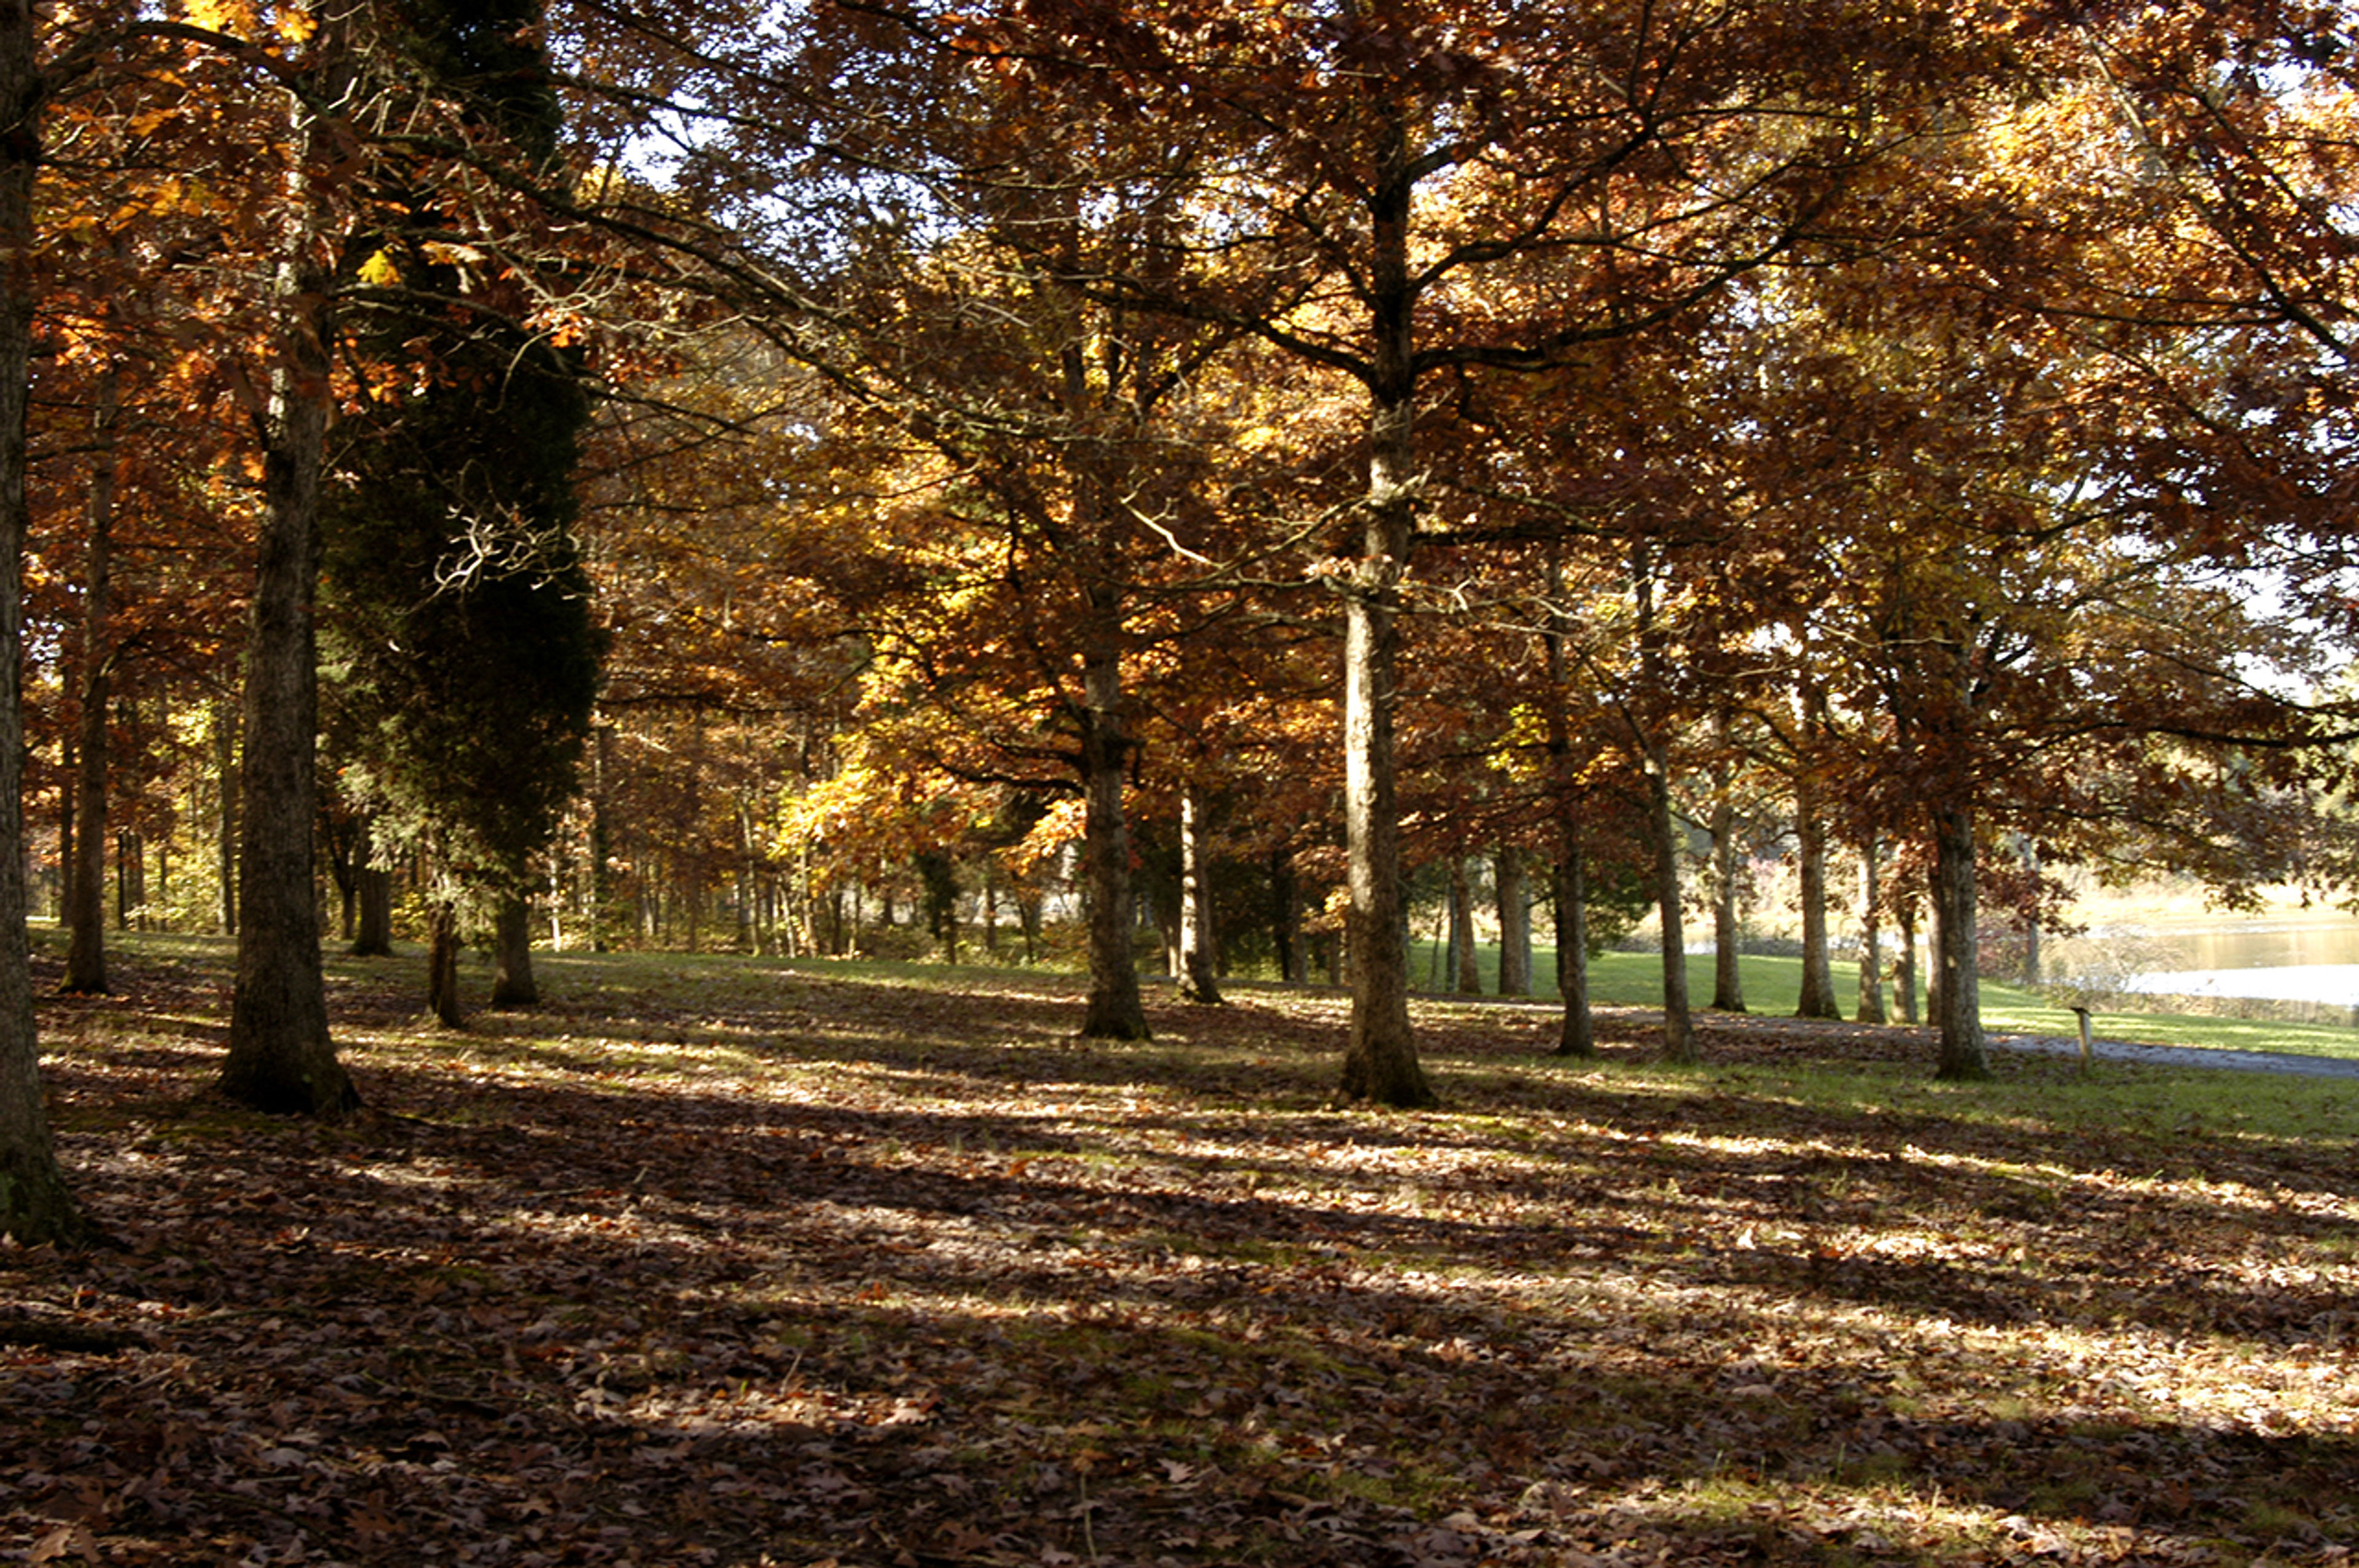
x,y
1772,986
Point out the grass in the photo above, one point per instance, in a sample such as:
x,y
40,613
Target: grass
x,y
712,1260
1773,986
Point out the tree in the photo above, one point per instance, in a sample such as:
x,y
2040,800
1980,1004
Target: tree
x,y
35,1205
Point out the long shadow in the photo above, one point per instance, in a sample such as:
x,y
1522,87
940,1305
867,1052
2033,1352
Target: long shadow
x,y
701,1323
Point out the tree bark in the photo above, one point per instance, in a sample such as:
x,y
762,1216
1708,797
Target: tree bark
x,y
1380,1061
1727,926
1513,887
1870,932
1904,967
512,982
85,899
1285,917
375,885
442,964
1197,980
1678,1020
225,840
1817,999
1114,1011
1465,962
1577,1035
35,1205
281,1058
1958,1007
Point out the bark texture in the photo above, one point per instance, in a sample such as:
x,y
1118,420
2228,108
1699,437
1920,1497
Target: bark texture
x,y
1957,1001
1380,1060
281,1058
1114,1011
85,902
512,979
1198,981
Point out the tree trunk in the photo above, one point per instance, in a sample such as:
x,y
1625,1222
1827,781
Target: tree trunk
x,y
1904,967
280,1057
1465,963
375,937
35,1206
1727,893
1380,1060
1569,879
442,964
512,982
1817,999
1957,1009
86,866
1515,922
1114,1011
1678,1022
1578,1034
225,841
1197,981
1286,918
1871,933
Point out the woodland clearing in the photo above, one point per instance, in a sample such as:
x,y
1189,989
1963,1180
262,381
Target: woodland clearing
x,y
716,1260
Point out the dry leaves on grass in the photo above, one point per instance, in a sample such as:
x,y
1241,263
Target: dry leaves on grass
x,y
757,1269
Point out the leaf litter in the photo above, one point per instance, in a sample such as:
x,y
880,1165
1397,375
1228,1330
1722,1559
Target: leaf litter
x,y
747,1267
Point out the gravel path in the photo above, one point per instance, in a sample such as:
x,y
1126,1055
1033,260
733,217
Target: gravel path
x,y
2185,1057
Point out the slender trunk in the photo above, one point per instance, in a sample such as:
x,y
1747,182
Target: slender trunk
x,y
280,1057
1678,1024
86,866
1817,999
1114,1011
2031,977
1578,1034
601,890
1679,1021
1197,982
512,982
1465,962
1727,893
1285,917
1871,933
1380,1061
1515,922
1959,1010
225,840
442,964
373,884
35,1206
1568,881
1904,967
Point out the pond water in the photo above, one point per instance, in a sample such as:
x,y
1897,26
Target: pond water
x,y
2310,959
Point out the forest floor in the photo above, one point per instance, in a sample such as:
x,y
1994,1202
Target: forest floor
x,y
711,1262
